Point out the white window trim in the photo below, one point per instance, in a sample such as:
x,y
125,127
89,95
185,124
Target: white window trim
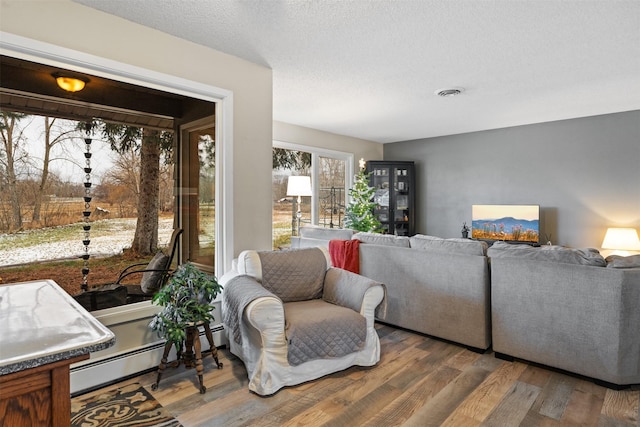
x,y
37,51
316,153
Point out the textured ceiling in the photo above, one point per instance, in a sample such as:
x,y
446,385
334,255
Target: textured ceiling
x,y
369,69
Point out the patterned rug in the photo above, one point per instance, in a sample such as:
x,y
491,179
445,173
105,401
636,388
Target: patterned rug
x,y
130,405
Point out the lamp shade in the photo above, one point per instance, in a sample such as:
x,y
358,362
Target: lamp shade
x,y
625,239
299,186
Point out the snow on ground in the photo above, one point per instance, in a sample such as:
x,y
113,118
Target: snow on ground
x,y
100,246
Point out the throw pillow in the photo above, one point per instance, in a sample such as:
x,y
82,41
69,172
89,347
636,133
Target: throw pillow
x,y
150,282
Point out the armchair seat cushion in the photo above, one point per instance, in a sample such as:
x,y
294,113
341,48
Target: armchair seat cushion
x,y
316,329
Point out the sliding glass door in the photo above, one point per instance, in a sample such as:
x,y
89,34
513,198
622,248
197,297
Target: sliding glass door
x,y
198,193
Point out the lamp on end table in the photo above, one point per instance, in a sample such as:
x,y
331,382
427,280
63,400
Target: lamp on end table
x,y
622,240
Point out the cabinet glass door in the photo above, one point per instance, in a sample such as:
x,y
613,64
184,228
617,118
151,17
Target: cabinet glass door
x,y
381,178
401,193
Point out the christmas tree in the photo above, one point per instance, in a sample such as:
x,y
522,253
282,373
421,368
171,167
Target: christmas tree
x,y
359,213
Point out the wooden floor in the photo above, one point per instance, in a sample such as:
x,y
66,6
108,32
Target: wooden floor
x,y
419,382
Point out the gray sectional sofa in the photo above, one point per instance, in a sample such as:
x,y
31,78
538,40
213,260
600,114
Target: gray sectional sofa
x,y
565,308
568,309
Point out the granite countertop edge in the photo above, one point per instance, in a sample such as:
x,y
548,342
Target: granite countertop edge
x,y
50,358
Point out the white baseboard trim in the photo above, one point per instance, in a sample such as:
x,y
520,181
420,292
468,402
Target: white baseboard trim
x,y
95,373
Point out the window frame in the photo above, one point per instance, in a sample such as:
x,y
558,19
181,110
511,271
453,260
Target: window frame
x,y
316,153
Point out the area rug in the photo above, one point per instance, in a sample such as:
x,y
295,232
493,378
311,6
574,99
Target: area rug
x,y
129,405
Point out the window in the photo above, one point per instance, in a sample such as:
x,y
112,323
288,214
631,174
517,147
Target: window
x,y
331,192
194,97
331,177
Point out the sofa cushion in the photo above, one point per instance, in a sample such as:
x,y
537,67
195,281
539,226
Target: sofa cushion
x,y
324,233
294,275
548,253
319,330
617,261
382,239
308,242
456,245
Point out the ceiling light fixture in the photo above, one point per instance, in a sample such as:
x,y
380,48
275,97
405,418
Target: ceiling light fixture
x,y
70,83
449,91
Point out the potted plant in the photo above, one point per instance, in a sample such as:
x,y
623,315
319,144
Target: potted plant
x,y
186,302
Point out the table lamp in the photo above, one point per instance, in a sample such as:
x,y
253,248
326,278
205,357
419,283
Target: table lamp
x,y
299,186
621,240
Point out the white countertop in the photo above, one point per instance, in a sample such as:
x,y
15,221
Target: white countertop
x,y
40,323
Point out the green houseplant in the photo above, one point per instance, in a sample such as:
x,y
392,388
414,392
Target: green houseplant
x,y
186,301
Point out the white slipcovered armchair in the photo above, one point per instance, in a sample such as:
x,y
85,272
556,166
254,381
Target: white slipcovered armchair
x,y
291,317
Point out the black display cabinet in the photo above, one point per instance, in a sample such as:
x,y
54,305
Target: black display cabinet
x,y
394,182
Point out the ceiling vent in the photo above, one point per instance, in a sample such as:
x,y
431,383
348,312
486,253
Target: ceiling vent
x,y
449,91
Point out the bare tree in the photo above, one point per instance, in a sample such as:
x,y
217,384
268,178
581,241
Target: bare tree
x,y
53,135
125,172
331,172
12,153
121,183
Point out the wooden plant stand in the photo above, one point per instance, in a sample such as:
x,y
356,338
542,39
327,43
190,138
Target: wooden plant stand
x,y
191,356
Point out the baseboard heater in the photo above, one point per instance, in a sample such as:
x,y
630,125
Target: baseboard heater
x,y
94,374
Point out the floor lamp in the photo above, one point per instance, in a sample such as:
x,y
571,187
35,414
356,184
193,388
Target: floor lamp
x,y
299,186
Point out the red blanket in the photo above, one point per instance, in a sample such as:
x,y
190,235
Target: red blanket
x,y
345,254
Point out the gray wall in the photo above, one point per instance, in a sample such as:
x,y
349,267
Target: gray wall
x,y
584,173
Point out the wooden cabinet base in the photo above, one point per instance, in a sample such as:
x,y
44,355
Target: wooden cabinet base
x,y
37,397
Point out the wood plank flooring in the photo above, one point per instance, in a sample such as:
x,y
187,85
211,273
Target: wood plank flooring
x,y
419,381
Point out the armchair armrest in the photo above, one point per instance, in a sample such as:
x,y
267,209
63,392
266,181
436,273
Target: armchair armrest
x,y
244,296
266,314
352,290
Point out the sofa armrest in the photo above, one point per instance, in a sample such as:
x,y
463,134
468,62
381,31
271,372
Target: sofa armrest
x,y
352,290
